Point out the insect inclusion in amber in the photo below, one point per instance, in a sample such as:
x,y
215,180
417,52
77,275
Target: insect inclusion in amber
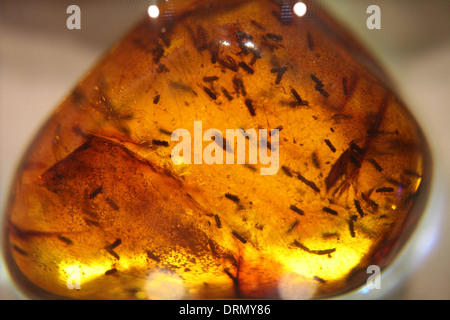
x,y
100,209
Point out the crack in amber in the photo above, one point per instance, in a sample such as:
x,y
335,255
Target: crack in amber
x,y
97,191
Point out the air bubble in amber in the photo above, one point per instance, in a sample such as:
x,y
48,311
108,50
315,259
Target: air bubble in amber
x,y
100,209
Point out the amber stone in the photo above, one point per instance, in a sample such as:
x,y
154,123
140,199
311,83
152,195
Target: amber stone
x,y
100,210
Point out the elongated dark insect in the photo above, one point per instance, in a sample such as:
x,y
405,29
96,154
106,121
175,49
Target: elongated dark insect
x,y
376,165
384,189
226,94
319,86
297,210
232,197
112,203
351,227
152,256
113,253
358,208
274,37
286,171
211,94
111,271
96,192
218,222
238,85
298,99
161,143
310,42
345,86
250,107
239,237
115,244
210,79
65,239
92,223
316,278
330,211
279,71
330,145
310,184
292,226
356,148
229,63
246,67
318,252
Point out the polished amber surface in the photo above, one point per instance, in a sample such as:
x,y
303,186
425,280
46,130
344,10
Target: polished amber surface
x,y
100,209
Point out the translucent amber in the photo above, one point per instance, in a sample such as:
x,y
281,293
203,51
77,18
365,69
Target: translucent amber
x,y
99,209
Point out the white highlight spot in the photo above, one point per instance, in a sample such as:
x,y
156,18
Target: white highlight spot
x,y
294,286
153,11
74,278
250,44
164,285
428,239
300,9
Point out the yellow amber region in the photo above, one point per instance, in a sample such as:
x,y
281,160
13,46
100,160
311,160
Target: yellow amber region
x,y
100,209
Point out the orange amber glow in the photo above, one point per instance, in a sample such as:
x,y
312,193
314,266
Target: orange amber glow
x,y
98,201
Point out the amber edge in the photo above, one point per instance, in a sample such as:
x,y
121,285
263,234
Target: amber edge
x,y
357,279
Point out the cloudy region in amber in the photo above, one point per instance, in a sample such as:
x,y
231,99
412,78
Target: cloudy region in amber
x,y
101,210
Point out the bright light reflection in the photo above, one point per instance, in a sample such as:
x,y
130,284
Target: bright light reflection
x,y
164,285
75,273
300,9
153,11
293,286
417,184
178,160
428,239
364,290
249,44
